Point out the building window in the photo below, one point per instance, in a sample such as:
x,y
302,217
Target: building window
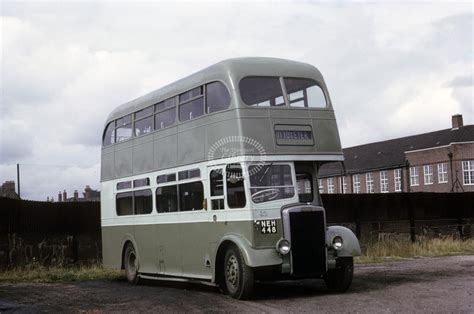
x,y
468,172
369,182
320,186
330,185
342,185
397,173
384,181
356,183
414,178
428,174
443,173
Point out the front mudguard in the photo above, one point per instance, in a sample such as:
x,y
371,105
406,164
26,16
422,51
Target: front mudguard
x,y
253,257
351,246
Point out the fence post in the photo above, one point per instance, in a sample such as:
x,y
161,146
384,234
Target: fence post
x,y
357,220
411,216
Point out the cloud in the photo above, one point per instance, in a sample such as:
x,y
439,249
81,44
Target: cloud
x,y
392,69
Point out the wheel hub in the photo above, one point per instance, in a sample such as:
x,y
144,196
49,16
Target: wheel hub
x,y
232,271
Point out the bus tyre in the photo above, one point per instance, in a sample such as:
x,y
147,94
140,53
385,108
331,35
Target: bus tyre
x,y
130,263
340,278
238,279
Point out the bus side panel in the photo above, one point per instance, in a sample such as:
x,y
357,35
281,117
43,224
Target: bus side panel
x,y
168,243
201,239
113,240
145,239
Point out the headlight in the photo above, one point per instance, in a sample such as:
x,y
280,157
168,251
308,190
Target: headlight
x,y
337,243
283,246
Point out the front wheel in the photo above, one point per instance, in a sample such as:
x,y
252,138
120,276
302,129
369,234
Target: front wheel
x,y
340,278
130,263
238,279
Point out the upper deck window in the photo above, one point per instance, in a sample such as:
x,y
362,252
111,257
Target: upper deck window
x,y
165,113
124,128
191,104
217,97
304,93
261,91
109,135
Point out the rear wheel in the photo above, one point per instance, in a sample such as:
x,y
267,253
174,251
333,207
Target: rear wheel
x,y
130,263
340,278
238,279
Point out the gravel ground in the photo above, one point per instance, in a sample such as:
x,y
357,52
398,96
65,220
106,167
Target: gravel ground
x,y
444,284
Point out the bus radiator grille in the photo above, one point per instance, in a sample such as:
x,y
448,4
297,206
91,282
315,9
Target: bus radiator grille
x,y
308,245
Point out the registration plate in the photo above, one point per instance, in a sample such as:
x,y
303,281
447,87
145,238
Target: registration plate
x,y
267,226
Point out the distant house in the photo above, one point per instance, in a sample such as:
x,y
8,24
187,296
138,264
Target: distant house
x,y
8,190
89,195
439,161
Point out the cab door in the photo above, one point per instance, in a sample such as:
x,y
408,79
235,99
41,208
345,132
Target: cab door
x,y
217,188
216,207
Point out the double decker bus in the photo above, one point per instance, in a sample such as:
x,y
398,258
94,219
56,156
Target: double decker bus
x,y
213,178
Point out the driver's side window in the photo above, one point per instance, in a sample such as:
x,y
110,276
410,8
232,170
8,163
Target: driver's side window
x,y
304,184
235,186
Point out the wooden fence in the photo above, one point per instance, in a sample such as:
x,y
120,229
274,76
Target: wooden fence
x,y
69,232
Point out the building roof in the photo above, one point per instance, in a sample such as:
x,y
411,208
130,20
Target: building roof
x,y
391,153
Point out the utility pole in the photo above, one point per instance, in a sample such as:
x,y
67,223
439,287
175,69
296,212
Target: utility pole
x,y
18,178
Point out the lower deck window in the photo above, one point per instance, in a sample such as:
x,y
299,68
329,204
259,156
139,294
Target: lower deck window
x,y
167,199
191,196
134,203
143,202
124,204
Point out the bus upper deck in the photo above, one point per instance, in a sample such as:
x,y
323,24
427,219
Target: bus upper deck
x,y
256,106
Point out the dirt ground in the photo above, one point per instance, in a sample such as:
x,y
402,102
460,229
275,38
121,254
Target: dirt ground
x,y
427,284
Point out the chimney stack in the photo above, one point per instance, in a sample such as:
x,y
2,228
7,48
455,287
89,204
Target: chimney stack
x,y
87,192
457,121
64,196
76,195
60,197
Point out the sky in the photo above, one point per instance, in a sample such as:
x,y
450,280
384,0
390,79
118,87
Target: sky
x,y
392,69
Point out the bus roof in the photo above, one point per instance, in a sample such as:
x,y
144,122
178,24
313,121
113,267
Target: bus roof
x,y
228,71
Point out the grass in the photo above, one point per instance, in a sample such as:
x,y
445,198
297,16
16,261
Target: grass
x,y
402,249
43,274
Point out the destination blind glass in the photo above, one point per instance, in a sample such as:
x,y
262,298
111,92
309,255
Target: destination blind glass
x,y
293,135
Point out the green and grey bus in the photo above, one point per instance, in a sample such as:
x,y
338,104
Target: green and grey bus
x,y
213,178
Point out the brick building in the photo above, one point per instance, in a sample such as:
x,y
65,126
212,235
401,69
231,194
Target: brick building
x,y
8,190
439,161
